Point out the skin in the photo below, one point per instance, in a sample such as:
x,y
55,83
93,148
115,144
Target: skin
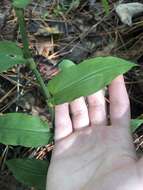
x,y
89,154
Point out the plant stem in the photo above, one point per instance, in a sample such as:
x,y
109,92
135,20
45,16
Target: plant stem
x,y
44,89
22,26
27,55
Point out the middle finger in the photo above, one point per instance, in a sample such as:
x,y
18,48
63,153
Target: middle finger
x,y
79,113
97,109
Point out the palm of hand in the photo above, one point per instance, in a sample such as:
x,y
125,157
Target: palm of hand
x,y
92,158
96,157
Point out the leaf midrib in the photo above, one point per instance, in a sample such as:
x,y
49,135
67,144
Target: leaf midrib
x,y
85,78
26,130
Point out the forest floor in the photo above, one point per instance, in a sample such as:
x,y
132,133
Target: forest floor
x,y
58,30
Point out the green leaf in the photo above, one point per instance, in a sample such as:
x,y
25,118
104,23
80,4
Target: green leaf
x,y
8,61
21,3
23,129
8,47
10,55
66,63
105,5
31,172
135,124
86,78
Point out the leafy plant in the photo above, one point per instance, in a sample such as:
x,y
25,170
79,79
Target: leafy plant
x,y
72,82
66,6
105,5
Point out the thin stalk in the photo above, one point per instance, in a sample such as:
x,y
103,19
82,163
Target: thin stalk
x,y
27,54
22,26
33,68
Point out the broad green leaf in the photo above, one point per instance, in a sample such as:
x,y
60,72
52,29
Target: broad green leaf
x,y
21,3
31,172
135,124
86,78
10,55
8,47
8,61
23,129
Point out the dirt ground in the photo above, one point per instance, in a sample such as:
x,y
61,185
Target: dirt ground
x,y
58,30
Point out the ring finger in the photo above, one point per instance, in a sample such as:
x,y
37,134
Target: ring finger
x,y
97,109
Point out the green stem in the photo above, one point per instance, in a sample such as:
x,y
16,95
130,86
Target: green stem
x,y
22,26
27,54
44,89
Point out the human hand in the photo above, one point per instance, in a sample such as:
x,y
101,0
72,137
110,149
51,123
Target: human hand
x,y
89,154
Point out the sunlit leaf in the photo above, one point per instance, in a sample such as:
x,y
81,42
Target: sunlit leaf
x,y
21,3
23,129
31,172
86,78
